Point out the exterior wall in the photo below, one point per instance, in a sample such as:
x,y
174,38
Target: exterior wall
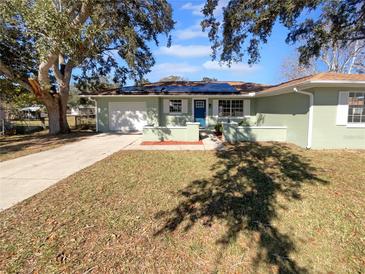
x,y
213,120
152,105
233,133
181,119
168,120
189,133
289,110
326,134
156,115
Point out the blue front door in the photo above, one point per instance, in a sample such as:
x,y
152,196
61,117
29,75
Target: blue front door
x,y
200,112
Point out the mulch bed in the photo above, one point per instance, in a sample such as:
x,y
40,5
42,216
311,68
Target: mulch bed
x,y
168,143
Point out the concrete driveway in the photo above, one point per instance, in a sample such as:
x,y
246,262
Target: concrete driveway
x,y
23,177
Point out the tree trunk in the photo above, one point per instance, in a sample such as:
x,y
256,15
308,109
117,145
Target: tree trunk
x,y
53,119
56,103
57,114
62,102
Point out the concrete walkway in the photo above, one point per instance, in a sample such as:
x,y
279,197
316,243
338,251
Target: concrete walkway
x,y
23,177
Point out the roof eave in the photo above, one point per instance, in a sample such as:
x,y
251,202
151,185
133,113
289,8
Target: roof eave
x,y
341,83
312,84
251,94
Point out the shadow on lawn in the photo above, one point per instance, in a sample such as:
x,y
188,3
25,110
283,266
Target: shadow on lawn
x,y
11,144
243,194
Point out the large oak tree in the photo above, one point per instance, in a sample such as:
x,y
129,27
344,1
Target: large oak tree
x,y
246,24
43,41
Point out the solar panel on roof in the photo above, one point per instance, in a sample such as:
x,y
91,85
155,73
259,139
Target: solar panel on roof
x,y
200,88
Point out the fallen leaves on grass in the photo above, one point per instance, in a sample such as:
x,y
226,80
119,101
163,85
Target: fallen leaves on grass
x,y
255,208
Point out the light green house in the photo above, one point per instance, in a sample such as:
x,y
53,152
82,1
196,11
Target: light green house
x,y
326,110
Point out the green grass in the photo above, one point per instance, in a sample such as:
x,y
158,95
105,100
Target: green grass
x,y
255,208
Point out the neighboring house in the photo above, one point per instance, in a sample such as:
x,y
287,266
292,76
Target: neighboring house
x,y
81,110
326,110
33,112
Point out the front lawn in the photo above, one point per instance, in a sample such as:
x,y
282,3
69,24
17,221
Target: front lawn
x,y
255,208
20,145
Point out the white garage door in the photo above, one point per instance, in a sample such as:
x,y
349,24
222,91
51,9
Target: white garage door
x,y
127,116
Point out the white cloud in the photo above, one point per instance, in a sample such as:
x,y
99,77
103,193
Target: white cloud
x,y
191,32
235,67
185,51
174,69
196,9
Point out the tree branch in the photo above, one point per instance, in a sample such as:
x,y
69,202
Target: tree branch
x,y
83,15
9,74
57,72
68,72
43,71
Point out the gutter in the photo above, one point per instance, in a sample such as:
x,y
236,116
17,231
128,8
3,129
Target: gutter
x,y
310,118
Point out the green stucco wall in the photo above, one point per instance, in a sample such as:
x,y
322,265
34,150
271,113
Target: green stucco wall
x,y
188,133
233,133
156,115
326,134
167,119
290,110
152,105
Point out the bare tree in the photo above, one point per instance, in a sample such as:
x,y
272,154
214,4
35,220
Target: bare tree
x,y
292,69
348,59
359,64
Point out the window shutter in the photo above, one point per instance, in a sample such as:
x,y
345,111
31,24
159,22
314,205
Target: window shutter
x,y
166,106
342,108
184,106
246,107
215,108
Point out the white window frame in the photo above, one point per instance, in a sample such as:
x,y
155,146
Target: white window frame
x,y
230,109
181,106
353,124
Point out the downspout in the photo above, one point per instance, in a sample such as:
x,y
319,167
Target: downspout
x,y
96,114
310,118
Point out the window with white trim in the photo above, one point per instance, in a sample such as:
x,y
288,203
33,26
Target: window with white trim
x,y
175,106
356,112
230,108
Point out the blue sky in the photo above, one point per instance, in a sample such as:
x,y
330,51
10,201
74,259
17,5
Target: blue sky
x,y
189,55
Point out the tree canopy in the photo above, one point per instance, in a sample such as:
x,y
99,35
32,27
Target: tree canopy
x,y
15,95
246,24
172,78
209,79
47,39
